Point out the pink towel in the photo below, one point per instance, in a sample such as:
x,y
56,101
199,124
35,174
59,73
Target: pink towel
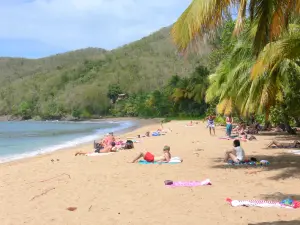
x,y
190,183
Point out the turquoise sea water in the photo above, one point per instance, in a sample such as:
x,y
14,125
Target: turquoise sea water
x,y
29,138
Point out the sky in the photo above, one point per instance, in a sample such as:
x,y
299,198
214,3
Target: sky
x,y
38,28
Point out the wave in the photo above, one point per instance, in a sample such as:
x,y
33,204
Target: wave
x,y
67,144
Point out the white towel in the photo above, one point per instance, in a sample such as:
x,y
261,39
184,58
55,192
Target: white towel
x,y
175,160
297,152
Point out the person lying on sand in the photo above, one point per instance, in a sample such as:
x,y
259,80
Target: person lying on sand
x,y
149,157
277,144
237,154
110,148
190,124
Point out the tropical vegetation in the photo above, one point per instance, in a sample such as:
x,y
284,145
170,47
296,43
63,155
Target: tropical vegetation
x,y
260,68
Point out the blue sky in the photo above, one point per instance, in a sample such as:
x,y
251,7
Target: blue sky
x,y
38,28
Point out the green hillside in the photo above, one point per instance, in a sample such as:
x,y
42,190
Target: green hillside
x,y
60,85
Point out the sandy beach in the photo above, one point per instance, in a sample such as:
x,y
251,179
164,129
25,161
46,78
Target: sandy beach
x,y
109,190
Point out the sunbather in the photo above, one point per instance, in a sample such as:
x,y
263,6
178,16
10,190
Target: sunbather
x,y
237,154
149,157
110,148
277,144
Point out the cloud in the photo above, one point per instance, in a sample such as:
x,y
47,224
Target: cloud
x,y
73,24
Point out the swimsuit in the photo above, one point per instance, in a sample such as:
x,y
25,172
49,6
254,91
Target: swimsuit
x,y
210,123
149,157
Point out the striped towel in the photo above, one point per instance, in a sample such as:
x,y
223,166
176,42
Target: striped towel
x,y
257,203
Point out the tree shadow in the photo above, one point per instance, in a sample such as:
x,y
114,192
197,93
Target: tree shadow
x,y
278,196
291,222
288,138
287,164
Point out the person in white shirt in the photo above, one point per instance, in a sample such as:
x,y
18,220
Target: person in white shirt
x,y
237,154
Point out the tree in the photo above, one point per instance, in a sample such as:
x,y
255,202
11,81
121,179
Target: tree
x,y
269,18
113,92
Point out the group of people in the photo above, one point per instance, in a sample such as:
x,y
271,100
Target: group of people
x,y
108,144
211,124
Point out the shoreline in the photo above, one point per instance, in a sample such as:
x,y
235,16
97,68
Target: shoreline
x,y
138,124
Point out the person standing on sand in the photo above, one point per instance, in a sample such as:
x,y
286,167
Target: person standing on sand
x,y
229,121
149,157
211,124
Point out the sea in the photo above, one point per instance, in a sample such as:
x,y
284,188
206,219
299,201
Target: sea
x,y
22,139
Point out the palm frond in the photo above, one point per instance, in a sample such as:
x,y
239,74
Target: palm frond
x,y
200,16
241,17
274,53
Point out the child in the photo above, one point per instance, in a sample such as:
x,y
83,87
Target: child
x,y
211,124
149,157
237,154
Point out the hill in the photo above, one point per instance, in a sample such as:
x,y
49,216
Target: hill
x,y
78,81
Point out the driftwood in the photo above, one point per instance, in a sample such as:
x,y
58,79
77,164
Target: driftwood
x,y
90,208
45,192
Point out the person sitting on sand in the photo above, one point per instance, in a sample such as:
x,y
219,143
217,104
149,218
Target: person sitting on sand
x,y
237,154
149,157
277,144
109,148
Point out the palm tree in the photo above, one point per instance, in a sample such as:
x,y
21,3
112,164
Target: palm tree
x,y
269,18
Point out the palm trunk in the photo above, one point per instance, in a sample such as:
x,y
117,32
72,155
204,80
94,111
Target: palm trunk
x,y
285,116
267,122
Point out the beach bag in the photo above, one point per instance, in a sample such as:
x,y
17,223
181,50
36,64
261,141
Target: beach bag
x,y
129,144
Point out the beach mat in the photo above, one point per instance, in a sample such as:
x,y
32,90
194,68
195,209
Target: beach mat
x,y
261,163
189,183
229,138
174,160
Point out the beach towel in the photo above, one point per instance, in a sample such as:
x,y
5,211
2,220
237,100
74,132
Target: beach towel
x,y
297,152
174,160
189,183
98,154
249,163
155,134
264,204
229,138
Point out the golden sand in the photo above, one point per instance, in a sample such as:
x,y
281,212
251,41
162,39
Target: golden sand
x,y
61,189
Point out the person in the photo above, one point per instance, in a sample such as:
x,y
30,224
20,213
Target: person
x,y
149,157
190,124
211,124
237,154
294,144
109,148
229,121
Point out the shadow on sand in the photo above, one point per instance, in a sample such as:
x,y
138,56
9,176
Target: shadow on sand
x,y
292,222
287,164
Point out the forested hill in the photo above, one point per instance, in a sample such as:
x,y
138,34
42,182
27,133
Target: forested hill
x,y
78,81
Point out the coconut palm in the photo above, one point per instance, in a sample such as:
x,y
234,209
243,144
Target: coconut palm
x,y
275,53
269,18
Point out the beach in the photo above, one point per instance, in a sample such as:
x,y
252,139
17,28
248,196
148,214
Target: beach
x,y
109,190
